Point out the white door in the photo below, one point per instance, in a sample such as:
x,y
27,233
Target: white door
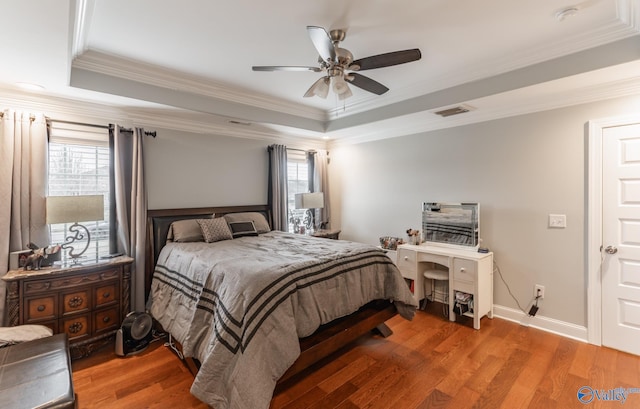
x,y
621,238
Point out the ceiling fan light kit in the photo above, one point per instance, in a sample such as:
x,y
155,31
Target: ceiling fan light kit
x,y
336,61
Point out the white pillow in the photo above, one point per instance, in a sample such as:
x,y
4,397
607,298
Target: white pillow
x,y
22,333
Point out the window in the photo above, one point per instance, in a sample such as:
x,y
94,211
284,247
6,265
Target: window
x,y
79,165
298,182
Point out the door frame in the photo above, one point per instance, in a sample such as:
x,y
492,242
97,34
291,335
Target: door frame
x,y
593,255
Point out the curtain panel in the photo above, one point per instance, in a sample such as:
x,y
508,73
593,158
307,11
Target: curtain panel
x,y
130,199
278,187
23,176
319,182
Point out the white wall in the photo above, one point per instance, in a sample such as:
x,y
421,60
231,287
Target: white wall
x,y
197,170
520,169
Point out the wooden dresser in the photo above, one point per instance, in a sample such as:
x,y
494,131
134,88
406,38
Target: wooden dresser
x,y
88,302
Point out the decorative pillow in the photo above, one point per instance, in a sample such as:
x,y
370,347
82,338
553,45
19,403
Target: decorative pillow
x,y
259,221
239,229
184,231
215,229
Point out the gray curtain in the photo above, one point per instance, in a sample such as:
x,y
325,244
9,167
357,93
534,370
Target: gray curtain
x,y
130,198
320,183
278,187
23,178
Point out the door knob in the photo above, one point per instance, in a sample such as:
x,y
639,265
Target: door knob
x,y
611,250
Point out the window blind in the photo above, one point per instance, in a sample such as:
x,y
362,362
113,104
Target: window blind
x,y
79,165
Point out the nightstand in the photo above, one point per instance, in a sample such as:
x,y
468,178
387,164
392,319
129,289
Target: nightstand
x,y
87,302
327,234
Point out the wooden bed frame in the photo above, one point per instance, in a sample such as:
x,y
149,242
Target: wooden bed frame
x,y
326,340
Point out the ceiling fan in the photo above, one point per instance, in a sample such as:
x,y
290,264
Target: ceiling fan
x,y
339,65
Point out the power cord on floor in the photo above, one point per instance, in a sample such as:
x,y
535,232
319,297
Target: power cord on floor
x,y
497,269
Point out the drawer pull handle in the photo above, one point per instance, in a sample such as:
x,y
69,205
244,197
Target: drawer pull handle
x,y
406,258
106,319
462,270
75,302
41,308
106,294
75,327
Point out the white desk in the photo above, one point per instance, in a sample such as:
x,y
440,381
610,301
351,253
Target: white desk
x,y
469,271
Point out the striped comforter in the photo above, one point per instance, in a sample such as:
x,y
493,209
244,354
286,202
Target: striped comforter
x,y
239,306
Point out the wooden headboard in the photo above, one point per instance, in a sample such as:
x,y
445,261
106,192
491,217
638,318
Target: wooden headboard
x,y
159,220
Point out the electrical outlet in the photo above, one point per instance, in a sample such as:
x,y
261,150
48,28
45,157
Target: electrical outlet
x,y
558,221
538,290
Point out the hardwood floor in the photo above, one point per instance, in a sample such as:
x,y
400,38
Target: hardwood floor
x,y
427,363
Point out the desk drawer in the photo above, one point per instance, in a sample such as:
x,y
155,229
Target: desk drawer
x,y
434,258
464,286
407,259
464,270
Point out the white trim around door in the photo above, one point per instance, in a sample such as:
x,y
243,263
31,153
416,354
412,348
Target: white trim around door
x,y
593,253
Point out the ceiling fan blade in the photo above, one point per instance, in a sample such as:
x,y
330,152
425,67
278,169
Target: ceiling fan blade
x,y
366,83
321,40
284,68
386,60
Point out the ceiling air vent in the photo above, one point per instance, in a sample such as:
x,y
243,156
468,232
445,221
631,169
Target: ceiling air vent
x,y
460,109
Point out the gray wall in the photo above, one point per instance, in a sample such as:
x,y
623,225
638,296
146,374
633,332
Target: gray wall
x,y
520,169
197,170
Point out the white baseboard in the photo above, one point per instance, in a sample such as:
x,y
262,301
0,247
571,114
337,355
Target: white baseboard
x,y
565,329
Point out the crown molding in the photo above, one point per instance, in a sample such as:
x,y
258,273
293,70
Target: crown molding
x,y
427,121
59,108
623,26
96,61
81,13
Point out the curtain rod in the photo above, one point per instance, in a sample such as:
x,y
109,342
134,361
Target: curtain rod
x,y
78,123
122,128
32,118
300,150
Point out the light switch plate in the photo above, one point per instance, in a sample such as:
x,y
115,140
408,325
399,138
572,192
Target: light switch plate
x,y
558,221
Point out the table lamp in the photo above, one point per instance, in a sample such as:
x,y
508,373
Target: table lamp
x,y
68,209
310,201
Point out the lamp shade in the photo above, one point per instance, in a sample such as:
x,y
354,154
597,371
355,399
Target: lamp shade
x,y
68,209
309,200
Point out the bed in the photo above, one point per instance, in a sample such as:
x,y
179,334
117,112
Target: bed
x,y
257,308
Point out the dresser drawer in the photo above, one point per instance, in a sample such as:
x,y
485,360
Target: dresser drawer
x,y
74,280
76,301
464,270
40,308
76,327
106,320
106,294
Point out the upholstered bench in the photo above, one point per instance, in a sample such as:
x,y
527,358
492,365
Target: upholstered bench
x,y
37,374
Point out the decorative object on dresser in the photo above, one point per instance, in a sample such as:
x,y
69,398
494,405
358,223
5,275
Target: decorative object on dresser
x,y
310,202
75,209
87,302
